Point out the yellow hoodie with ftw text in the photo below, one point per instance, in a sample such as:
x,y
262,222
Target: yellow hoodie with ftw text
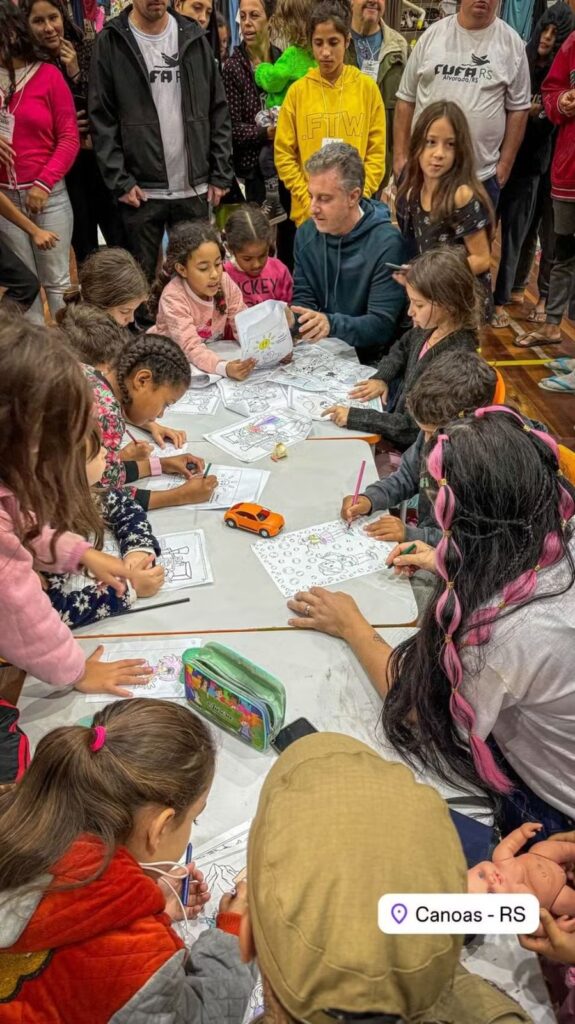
x,y
315,111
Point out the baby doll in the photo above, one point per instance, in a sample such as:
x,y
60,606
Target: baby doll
x,y
540,871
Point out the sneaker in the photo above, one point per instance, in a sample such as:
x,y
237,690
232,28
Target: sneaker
x,y
273,210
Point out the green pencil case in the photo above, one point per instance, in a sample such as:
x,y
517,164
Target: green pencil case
x,y
234,693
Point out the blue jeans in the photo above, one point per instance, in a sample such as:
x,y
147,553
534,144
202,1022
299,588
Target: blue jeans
x,y
523,805
492,187
51,266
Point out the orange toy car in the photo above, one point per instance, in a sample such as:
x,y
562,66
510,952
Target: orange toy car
x,y
248,516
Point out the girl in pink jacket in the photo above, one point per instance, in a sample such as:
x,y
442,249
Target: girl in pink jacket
x,y
45,417
195,301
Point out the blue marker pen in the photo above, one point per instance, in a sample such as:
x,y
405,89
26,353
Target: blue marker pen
x,y
186,882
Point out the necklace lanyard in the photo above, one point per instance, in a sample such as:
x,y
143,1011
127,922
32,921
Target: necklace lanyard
x,y
16,86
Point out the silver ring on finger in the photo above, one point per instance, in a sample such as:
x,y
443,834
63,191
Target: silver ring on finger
x,y
307,610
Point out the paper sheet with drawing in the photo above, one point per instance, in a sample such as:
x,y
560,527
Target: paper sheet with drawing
x,y
264,334
315,404
234,484
247,399
257,437
221,860
320,555
185,560
169,450
314,370
197,402
163,655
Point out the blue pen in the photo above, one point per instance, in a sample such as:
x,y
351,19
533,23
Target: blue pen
x,y
186,882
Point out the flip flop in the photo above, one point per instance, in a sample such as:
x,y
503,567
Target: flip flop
x,y
565,364
557,384
536,316
535,338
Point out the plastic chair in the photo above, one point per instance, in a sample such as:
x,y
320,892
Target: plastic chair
x,y
499,395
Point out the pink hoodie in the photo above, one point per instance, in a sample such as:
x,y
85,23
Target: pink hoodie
x,y
191,321
33,636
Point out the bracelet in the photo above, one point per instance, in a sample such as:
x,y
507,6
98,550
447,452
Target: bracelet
x,y
155,466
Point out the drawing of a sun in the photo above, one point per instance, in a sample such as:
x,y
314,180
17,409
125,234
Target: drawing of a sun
x,y
264,343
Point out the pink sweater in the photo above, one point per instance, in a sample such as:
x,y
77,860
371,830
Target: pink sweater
x,y
33,637
274,282
191,321
46,136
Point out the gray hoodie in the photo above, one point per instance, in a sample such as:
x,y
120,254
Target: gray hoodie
x,y
403,485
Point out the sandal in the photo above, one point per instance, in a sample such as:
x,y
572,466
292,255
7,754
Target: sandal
x,y
535,338
500,320
536,316
558,384
564,364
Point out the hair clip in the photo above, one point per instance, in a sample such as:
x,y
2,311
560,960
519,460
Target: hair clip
x,y
450,584
501,605
526,428
99,738
446,533
537,568
448,639
442,482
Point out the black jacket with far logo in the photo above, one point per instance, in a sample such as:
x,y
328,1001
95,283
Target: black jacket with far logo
x,y
124,121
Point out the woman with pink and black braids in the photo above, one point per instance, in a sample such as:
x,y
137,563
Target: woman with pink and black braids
x,y
485,692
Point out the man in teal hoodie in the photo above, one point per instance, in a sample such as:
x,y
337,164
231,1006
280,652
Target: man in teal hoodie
x,y
343,284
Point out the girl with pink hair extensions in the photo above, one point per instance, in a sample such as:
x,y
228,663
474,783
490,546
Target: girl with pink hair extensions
x,y
485,692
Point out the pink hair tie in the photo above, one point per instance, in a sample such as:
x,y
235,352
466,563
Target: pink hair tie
x,y
99,738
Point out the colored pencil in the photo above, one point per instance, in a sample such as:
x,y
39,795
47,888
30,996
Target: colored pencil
x,y
357,486
152,607
186,882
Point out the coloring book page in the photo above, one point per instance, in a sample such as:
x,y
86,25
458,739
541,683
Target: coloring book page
x,y
248,399
221,860
315,370
264,334
314,404
164,656
185,560
321,555
168,451
196,402
235,484
257,437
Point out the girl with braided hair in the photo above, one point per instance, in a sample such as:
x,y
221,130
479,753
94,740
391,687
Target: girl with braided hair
x,y
195,301
150,373
492,664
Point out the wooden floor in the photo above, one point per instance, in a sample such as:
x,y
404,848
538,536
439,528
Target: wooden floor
x,y
557,411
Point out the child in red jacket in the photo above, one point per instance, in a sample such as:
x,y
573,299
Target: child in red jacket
x,y
85,837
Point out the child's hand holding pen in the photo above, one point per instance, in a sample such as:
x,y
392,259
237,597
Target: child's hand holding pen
x,y
136,451
197,896
351,509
